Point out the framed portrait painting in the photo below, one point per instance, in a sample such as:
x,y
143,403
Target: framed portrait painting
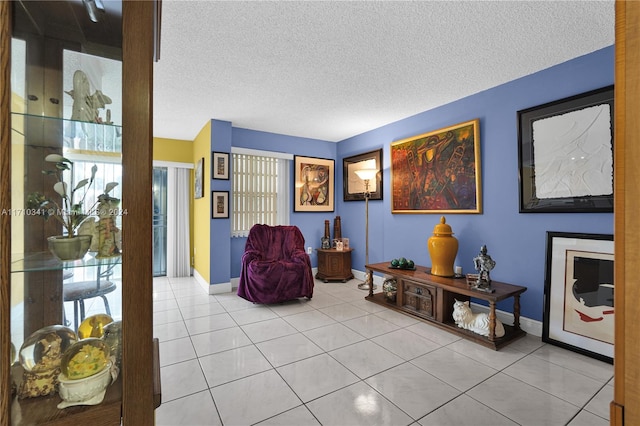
x,y
198,179
578,293
438,172
220,165
219,204
314,184
566,155
353,186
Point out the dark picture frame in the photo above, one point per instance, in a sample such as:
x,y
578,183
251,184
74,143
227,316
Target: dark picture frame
x,y
220,165
219,204
438,171
565,154
198,179
314,180
578,293
353,186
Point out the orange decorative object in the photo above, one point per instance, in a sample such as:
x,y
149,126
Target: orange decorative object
x,y
443,248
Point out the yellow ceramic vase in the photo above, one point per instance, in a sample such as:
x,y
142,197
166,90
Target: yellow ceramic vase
x,y
443,248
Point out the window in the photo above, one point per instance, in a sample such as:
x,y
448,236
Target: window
x,y
260,182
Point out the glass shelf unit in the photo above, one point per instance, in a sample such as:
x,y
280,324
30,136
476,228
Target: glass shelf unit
x,y
45,261
81,135
69,135
46,44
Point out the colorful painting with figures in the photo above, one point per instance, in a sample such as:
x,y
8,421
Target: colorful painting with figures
x,y
314,181
437,171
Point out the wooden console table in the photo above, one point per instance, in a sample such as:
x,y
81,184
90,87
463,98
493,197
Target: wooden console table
x,y
431,298
334,265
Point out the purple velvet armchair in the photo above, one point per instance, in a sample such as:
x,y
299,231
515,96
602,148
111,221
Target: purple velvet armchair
x,y
275,266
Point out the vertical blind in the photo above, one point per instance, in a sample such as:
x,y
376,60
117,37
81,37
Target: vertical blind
x,y
260,192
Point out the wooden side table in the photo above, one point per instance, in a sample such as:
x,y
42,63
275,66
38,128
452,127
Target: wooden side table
x,y
334,265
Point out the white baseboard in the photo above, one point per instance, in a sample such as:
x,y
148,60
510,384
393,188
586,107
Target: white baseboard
x,y
530,326
219,288
211,288
200,280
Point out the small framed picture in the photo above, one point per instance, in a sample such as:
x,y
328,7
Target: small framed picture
x,y
198,182
339,245
345,243
219,204
354,187
220,165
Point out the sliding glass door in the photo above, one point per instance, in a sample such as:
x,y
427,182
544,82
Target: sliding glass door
x,y
159,221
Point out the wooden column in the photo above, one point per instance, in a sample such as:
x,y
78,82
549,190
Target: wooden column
x,y
5,205
137,234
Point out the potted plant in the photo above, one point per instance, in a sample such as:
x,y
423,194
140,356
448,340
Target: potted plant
x,y
69,211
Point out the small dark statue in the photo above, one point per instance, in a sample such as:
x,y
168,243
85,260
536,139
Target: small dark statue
x,y
483,264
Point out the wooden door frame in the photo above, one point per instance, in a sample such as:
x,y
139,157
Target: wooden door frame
x,y
5,205
624,408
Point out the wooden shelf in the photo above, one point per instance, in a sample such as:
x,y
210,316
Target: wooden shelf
x,y
44,410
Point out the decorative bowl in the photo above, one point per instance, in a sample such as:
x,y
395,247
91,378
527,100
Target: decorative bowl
x,y
87,391
65,248
402,263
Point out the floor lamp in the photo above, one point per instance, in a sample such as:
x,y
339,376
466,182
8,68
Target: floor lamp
x,y
366,175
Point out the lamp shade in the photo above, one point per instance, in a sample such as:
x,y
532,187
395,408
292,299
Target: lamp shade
x,y
366,174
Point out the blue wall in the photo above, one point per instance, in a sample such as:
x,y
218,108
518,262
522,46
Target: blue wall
x,y
220,229
517,242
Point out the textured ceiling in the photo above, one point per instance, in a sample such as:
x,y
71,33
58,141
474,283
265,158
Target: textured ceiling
x,y
334,69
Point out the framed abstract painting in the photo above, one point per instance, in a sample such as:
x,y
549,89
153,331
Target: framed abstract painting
x,y
438,172
566,155
578,293
314,184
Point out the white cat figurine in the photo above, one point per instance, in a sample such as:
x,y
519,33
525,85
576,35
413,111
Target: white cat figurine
x,y
478,323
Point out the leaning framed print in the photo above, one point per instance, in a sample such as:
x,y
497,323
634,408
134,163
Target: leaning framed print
x,y
198,179
314,184
220,165
353,186
578,293
565,152
438,171
219,204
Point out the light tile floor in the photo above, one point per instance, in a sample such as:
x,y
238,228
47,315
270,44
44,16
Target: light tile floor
x,y
338,359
